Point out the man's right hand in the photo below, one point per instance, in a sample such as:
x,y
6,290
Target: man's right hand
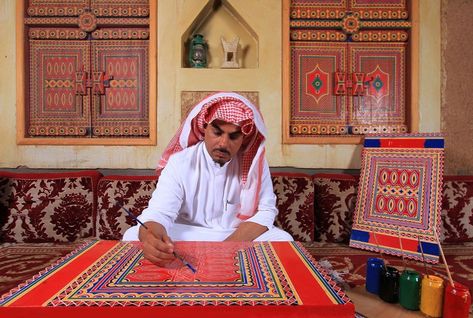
x,y
157,245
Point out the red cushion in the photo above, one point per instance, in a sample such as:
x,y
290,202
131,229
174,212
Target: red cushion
x,y
457,209
47,207
131,192
335,198
295,202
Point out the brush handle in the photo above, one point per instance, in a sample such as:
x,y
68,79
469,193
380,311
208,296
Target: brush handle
x,y
133,216
444,260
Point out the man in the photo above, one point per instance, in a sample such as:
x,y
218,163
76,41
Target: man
x,y
214,182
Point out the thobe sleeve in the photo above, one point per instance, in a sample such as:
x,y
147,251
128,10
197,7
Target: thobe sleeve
x,y
267,210
167,198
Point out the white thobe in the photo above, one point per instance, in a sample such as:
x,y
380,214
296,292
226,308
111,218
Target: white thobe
x,y
197,199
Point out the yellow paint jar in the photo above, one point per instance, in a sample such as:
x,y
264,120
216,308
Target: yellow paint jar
x,y
431,296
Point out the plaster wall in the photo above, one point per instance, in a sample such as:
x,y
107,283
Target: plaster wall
x,y
457,92
172,79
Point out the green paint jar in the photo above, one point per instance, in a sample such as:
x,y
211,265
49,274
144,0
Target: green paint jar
x,y
409,289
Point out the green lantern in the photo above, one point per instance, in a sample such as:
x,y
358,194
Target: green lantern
x,y
198,52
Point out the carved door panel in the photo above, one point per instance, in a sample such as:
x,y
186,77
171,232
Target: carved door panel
x,y
381,106
347,67
315,109
58,101
61,8
88,68
120,88
114,8
379,9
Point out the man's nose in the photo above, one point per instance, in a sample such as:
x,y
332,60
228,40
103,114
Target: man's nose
x,y
224,141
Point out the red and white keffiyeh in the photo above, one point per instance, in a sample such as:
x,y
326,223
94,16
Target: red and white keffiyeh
x,y
236,109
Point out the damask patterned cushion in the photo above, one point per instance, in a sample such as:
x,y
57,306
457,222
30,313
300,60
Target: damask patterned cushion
x,y
116,192
47,207
457,209
335,198
295,202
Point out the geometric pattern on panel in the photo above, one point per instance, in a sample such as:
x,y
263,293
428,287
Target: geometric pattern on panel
x,y
56,106
41,8
381,109
122,8
314,108
376,9
335,9
399,195
68,92
245,268
264,276
310,9
120,90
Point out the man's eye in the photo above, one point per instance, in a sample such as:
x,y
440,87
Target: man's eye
x,y
235,136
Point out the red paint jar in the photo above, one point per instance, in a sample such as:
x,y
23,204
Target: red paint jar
x,y
457,301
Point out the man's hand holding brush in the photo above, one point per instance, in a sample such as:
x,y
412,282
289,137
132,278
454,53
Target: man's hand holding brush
x,y
158,247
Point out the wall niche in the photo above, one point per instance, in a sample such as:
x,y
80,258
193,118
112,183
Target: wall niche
x,y
217,20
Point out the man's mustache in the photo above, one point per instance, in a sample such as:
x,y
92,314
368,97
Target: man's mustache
x,y
222,150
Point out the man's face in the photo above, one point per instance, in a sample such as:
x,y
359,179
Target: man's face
x,y
222,140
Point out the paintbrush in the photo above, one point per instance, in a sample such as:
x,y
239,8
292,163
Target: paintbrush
x,y
422,252
444,260
379,250
179,257
402,250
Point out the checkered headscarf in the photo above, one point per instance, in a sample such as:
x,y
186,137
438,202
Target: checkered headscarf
x,y
235,109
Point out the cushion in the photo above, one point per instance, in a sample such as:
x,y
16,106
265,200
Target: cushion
x,y
457,209
47,207
335,198
295,202
114,193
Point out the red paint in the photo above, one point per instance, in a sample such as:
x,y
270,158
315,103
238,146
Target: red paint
x,y
403,143
457,301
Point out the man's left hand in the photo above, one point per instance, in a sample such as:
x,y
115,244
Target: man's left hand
x,y
246,232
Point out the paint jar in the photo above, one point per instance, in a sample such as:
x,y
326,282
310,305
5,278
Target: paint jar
x,y
409,289
374,266
389,284
431,296
457,301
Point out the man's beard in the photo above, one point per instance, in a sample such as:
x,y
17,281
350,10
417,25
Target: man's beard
x,y
221,162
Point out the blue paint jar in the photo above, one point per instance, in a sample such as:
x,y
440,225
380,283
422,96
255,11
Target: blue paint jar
x,y
374,266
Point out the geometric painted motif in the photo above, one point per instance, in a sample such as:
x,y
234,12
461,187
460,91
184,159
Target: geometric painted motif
x,y
314,108
88,73
381,109
317,80
399,196
365,92
241,273
57,109
273,278
121,107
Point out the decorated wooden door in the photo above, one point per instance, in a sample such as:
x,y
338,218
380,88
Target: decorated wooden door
x,y
347,67
88,68
58,101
